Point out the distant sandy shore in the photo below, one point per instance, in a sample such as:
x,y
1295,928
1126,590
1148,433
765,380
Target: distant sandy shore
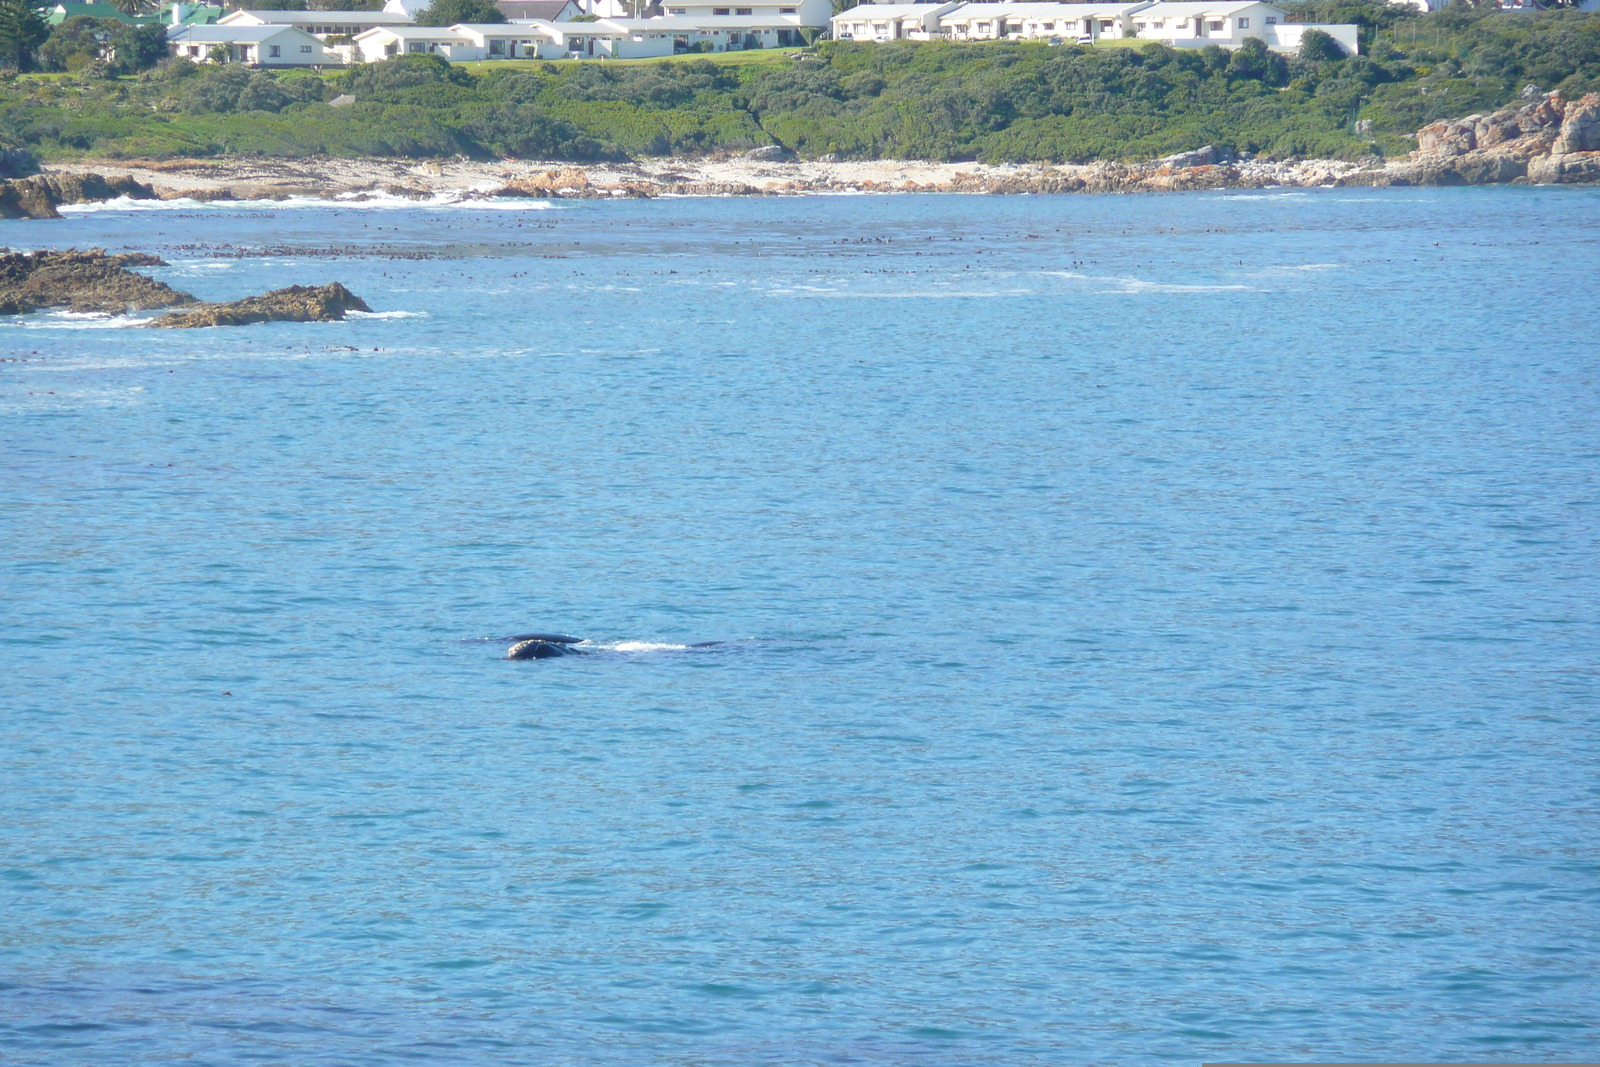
x,y
252,179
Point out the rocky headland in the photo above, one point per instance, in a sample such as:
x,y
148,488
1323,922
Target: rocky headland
x,y
1545,141
38,196
1544,138
94,281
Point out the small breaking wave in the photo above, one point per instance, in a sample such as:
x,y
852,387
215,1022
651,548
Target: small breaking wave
x,y
365,201
386,314
913,294
641,646
78,320
1129,286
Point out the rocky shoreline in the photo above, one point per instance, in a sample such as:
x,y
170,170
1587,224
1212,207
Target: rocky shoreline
x,y
93,281
1545,139
40,195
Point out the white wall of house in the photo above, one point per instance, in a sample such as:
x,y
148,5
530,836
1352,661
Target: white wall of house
x,y
638,40
1195,25
386,42
508,40
320,24
1071,21
727,33
890,22
605,39
1182,24
1226,24
256,46
1031,21
809,12
1286,36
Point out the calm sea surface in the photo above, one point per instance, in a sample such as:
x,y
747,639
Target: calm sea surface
x,y
1160,629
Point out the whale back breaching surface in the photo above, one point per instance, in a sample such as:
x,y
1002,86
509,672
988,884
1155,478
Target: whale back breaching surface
x,y
551,646
543,646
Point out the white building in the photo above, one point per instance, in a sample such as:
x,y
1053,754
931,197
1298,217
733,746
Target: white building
x,y
1227,23
724,33
254,46
890,22
505,40
1023,21
531,39
386,42
408,8
613,39
808,12
321,24
1285,36
1191,24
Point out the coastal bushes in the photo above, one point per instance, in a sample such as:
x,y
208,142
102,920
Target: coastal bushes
x,y
112,47
997,102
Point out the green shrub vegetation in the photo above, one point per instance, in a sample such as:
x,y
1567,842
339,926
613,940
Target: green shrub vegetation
x,y
451,12
996,102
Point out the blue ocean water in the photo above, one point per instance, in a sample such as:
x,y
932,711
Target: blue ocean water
x,y
1158,629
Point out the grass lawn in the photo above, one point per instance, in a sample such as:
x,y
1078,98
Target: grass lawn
x,y
776,57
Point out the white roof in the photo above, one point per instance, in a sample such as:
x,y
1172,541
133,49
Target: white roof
x,y
307,18
670,23
1047,10
234,34
415,33
879,12
520,28
1188,8
557,31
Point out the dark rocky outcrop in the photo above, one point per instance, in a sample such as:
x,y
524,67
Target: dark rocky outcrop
x,y
84,281
39,196
95,281
297,303
16,161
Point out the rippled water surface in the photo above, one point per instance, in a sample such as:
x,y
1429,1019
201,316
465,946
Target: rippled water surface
x,y
1158,629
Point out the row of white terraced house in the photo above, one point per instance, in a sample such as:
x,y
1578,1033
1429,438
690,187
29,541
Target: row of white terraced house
x,y
258,39
289,46
603,39
1186,24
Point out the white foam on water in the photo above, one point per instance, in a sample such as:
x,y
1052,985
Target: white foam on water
x,y
369,201
643,646
1131,286
74,320
387,314
919,294
1281,193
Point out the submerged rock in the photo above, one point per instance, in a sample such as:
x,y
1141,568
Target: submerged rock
x,y
83,281
39,196
297,303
